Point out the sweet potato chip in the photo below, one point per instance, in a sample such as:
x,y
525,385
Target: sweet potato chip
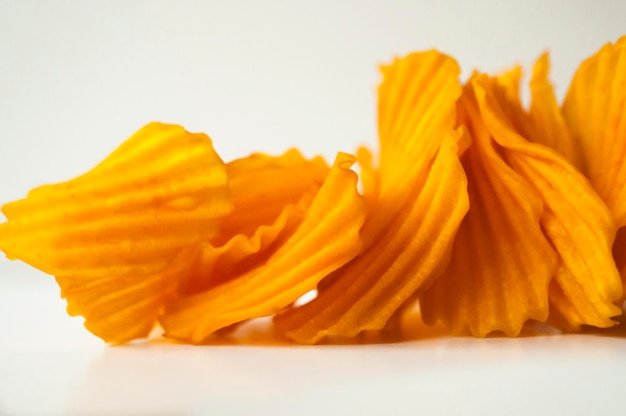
x,y
112,235
327,238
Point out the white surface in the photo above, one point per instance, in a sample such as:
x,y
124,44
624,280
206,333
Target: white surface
x,y
76,78
50,365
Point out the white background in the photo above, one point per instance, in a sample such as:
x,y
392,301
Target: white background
x,y
77,78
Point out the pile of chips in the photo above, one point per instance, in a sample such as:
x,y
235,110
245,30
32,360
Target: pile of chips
x,y
476,213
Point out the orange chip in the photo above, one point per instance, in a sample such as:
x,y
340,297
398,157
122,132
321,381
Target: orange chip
x,y
113,234
417,198
327,238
